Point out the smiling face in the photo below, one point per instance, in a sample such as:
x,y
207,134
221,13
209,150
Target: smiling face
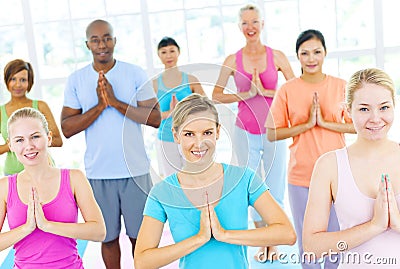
x,y
29,141
311,55
169,56
100,42
251,24
372,111
18,84
197,137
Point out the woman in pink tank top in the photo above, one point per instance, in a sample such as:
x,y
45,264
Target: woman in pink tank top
x,y
255,70
363,182
41,202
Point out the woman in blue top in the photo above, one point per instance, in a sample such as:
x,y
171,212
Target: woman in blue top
x,y
171,86
206,203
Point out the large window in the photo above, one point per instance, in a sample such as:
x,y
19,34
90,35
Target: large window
x,y
51,34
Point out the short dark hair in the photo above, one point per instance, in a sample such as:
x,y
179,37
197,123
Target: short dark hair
x,y
307,35
167,41
15,67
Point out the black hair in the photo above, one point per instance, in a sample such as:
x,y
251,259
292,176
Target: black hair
x,y
307,35
167,41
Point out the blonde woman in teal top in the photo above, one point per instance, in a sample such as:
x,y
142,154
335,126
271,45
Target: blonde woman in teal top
x,y
206,203
18,77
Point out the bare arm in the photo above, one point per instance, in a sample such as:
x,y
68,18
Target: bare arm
x,y
283,133
227,69
274,134
92,229
8,239
282,64
4,148
57,140
73,121
315,235
147,112
195,85
279,230
339,127
149,239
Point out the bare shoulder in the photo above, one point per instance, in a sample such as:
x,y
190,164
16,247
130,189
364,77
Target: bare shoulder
x,y
279,56
230,61
155,85
3,188
77,177
192,78
42,105
326,170
327,160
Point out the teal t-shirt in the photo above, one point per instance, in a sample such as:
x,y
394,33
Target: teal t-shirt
x,y
167,201
11,165
164,96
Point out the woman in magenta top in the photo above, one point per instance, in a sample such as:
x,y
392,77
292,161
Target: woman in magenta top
x,y
41,202
255,70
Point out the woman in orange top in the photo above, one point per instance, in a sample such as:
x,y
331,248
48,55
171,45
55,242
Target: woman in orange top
x,y
311,110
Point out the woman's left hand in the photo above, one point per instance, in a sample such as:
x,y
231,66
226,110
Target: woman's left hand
x,y
217,231
320,119
394,213
41,220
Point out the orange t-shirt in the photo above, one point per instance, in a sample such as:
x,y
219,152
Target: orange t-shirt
x,y
291,107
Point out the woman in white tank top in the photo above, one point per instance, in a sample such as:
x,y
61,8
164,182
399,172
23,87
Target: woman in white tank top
x,y
363,181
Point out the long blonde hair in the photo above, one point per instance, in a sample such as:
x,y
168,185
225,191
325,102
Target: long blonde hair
x,y
28,113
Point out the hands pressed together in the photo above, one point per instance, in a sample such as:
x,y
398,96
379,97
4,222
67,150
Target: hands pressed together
x,y
35,217
386,212
105,92
209,223
315,118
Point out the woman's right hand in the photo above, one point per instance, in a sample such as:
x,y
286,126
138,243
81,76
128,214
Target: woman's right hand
x,y
255,84
30,224
380,218
205,224
312,120
173,102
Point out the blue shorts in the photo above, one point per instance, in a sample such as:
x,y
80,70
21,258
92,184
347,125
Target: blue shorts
x,y
122,196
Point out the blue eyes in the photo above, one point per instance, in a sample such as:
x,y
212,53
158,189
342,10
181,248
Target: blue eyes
x,y
383,108
20,140
189,134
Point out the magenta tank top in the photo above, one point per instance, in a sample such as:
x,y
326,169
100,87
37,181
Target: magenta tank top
x,y
41,249
253,112
354,208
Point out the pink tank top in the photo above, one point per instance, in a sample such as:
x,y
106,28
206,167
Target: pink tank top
x,y
354,208
253,112
41,249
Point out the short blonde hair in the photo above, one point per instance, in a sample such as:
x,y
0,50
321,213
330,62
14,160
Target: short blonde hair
x,y
368,76
27,113
192,104
249,7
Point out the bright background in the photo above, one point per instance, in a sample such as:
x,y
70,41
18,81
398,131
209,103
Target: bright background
x,y
51,35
